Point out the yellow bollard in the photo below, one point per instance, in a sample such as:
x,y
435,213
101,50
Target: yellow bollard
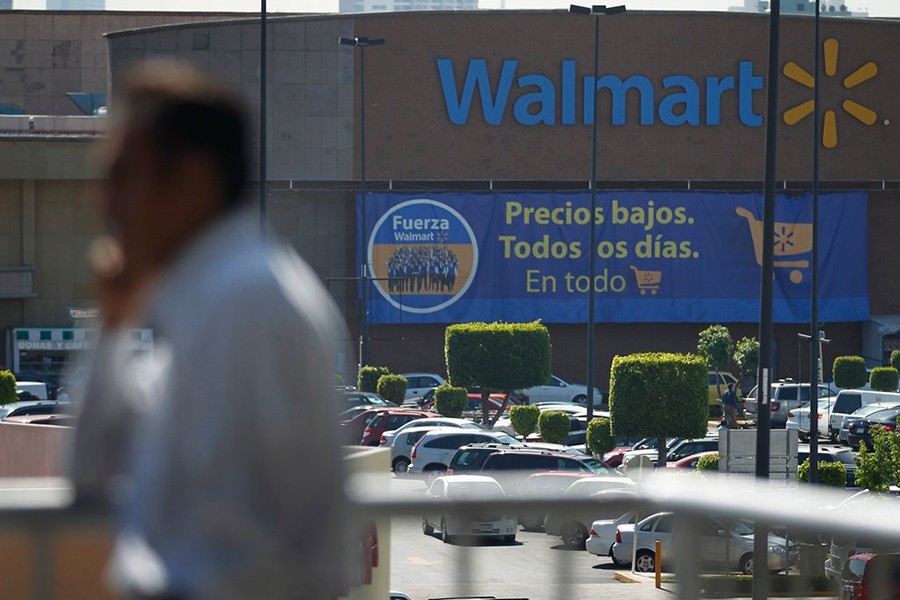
x,y
658,549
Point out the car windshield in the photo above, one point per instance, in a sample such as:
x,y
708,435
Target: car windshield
x,y
507,439
742,528
598,466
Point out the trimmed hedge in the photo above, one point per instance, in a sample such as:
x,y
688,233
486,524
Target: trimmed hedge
x,y
895,359
367,381
7,387
600,438
849,371
450,401
392,388
877,469
830,473
710,462
659,395
524,419
884,379
554,426
497,356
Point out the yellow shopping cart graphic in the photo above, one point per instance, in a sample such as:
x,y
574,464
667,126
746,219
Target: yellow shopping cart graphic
x,y
647,281
791,239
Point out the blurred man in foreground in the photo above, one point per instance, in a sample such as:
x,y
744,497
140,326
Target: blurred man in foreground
x,y
219,451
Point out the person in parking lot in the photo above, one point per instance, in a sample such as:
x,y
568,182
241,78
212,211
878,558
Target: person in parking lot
x,y
196,446
730,406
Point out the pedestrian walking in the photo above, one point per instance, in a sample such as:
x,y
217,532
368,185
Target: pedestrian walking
x,y
730,406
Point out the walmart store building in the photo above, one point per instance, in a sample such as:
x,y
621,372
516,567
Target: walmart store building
x,y
478,139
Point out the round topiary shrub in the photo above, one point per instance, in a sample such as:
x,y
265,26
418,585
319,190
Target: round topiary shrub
x,y
392,388
554,426
450,401
7,387
524,419
710,462
367,381
884,379
600,438
849,372
830,473
895,359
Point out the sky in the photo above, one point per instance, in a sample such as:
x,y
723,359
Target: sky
x,y
875,8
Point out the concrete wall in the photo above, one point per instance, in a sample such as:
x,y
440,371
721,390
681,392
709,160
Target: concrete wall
x,y
32,450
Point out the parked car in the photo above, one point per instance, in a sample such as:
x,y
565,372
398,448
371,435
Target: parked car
x,y
352,428
470,458
390,420
860,430
725,545
512,467
625,445
432,454
869,576
798,418
690,462
57,419
573,526
409,435
452,526
677,450
417,384
349,398
505,424
849,401
556,390
828,453
38,389
602,536
861,413
551,483
842,547
786,395
35,407
387,438
718,384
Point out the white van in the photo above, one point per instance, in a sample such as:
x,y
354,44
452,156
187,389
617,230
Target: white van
x,y
38,389
848,401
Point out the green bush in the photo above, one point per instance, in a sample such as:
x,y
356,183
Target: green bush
x,y
368,378
450,401
710,462
895,359
878,469
884,379
392,388
849,371
830,473
7,387
524,419
600,438
554,426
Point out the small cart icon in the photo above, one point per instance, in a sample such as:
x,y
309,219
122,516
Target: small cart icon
x,y
791,239
647,281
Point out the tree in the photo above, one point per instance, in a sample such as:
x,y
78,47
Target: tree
x,y
554,426
524,419
367,380
849,372
746,357
392,388
714,345
600,438
450,401
7,387
659,395
497,357
878,469
884,379
895,359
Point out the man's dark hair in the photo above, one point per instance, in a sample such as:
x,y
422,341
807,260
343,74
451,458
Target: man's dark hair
x,y
730,386
186,112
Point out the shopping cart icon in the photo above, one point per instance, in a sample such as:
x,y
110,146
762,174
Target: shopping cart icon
x,y
647,281
791,239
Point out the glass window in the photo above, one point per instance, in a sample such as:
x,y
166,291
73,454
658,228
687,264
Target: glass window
x,y
787,392
847,403
664,524
447,442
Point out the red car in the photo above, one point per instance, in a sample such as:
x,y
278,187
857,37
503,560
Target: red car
x,y
868,576
495,401
352,429
390,420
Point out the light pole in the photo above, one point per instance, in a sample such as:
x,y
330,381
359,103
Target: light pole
x,y
594,11
362,43
263,123
814,348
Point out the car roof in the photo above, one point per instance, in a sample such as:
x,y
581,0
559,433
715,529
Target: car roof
x,y
466,478
444,431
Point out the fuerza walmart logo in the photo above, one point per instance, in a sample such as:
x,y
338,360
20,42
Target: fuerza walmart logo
x,y
863,114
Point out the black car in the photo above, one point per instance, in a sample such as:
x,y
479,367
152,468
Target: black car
x,y
827,453
860,430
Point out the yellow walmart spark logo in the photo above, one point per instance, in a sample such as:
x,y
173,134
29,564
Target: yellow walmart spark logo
x,y
864,115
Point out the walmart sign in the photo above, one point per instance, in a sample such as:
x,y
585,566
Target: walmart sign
x,y
540,99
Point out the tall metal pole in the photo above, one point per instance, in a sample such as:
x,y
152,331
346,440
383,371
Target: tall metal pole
x,y
364,244
766,331
814,283
263,184
592,238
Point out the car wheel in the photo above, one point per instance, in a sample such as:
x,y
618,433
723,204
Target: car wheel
x,y
615,560
803,438
533,522
427,529
574,535
645,562
509,539
746,564
445,537
401,465
579,399
432,472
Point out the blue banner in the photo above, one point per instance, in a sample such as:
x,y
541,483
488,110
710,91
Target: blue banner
x,y
661,257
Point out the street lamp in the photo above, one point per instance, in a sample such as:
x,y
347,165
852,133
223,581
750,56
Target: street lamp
x,y
815,350
594,11
362,43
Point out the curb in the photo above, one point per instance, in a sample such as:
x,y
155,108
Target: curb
x,y
625,577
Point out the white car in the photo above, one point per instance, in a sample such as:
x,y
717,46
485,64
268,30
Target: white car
x,y
417,384
388,437
798,418
505,423
557,390
849,401
402,445
432,454
453,526
602,536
